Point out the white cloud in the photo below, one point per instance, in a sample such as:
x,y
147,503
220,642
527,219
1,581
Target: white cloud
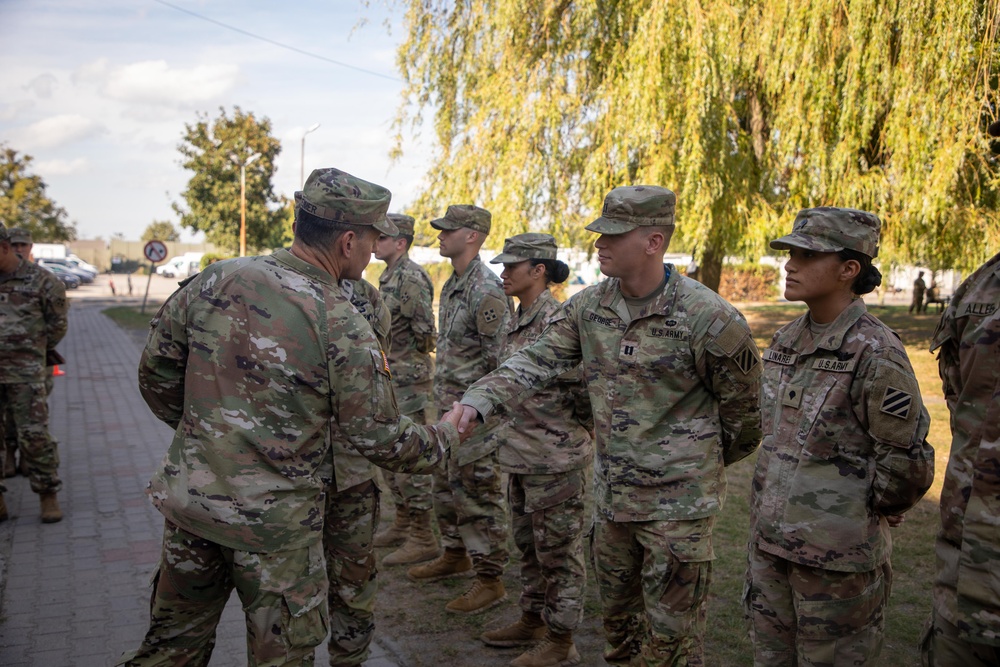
x,y
42,85
11,111
154,82
58,131
61,167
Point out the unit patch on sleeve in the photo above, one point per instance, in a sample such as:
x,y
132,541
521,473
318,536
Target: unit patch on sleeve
x,y
746,359
896,402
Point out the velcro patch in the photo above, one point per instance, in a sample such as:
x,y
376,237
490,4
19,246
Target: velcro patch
x,y
732,336
896,402
746,359
791,396
780,357
834,365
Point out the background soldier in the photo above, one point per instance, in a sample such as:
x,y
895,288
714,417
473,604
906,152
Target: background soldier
x,y
468,497
20,241
352,511
33,311
673,376
965,624
407,291
919,286
252,362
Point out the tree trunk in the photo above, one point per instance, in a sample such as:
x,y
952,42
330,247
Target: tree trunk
x,y
710,270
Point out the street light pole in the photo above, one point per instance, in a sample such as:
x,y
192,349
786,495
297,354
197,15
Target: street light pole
x,y
302,166
243,203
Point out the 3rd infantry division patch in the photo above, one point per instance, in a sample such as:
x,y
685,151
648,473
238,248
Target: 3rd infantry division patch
x,y
746,359
896,402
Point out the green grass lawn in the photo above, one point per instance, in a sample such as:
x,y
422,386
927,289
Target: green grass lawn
x,y
129,317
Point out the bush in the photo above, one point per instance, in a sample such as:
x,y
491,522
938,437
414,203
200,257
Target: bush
x,y
212,258
749,282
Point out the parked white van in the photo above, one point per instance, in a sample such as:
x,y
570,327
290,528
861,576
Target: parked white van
x,y
182,266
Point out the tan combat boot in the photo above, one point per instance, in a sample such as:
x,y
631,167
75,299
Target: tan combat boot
x,y
421,543
4,515
486,592
528,630
556,650
394,535
50,508
452,563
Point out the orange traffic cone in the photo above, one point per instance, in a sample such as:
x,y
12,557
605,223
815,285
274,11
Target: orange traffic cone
x,y
56,372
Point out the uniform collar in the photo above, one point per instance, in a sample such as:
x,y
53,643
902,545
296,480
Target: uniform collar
x,y
284,256
461,280
524,319
662,304
795,337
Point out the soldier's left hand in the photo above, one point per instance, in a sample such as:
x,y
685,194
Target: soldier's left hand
x,y
895,520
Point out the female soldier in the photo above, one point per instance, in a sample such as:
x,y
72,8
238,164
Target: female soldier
x,y
546,450
843,455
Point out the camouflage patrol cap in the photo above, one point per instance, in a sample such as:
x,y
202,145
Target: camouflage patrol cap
x,y
404,223
3,233
334,195
632,206
523,247
465,215
829,229
19,235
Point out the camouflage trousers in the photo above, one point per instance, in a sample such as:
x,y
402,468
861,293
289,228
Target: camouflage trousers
x,y
28,417
348,535
411,493
283,595
804,616
653,578
548,519
471,513
943,646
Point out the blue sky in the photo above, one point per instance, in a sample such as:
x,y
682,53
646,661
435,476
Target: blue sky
x,y
98,93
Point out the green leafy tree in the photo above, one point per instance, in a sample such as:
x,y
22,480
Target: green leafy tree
x,y
161,230
214,151
23,202
748,110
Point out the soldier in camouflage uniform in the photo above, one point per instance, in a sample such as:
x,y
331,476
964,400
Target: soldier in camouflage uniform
x,y
965,625
409,294
673,377
546,449
20,241
33,310
352,509
468,499
844,455
252,362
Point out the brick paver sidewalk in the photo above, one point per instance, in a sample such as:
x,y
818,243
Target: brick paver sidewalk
x,y
77,592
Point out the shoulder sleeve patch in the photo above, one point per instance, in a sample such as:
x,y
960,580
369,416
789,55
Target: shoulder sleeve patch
x,y
893,405
732,338
490,315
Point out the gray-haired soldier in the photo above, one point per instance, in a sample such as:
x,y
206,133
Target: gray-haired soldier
x,y
251,361
673,376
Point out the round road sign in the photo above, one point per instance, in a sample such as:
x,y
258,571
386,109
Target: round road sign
x,y
155,251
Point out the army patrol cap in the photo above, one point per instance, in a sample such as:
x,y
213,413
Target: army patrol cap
x,y
334,195
19,235
829,229
404,223
633,206
523,247
467,216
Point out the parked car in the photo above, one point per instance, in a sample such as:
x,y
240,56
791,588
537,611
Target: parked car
x,y
86,277
181,266
68,278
